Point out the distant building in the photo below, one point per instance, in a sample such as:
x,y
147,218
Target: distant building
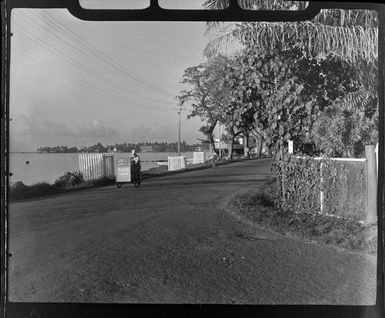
x,y
220,144
145,148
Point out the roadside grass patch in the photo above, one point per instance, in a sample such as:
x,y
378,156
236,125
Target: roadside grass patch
x,y
262,209
70,181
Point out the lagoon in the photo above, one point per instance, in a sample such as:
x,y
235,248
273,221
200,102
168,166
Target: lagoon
x,y
34,167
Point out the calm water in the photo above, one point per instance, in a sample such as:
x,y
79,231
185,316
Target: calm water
x,y
47,167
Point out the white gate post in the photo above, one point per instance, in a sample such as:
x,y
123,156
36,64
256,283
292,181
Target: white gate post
x,y
321,198
371,184
291,146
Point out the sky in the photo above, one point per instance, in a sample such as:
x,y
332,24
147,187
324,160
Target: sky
x,y
75,83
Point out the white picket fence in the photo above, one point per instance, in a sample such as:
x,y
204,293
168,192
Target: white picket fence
x,y
96,165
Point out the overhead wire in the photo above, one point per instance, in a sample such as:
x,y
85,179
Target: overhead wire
x,y
88,85
145,51
119,67
91,73
141,40
83,67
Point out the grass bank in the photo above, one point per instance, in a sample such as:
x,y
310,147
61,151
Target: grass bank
x,y
261,208
20,191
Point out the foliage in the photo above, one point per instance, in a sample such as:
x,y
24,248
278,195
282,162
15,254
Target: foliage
x,y
243,103
345,189
300,181
350,34
19,190
125,147
208,93
69,180
343,132
286,91
260,207
58,149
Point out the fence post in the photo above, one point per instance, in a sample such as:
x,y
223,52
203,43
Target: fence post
x,y
321,198
371,184
291,146
376,151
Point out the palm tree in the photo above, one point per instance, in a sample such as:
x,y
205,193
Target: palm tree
x,y
349,34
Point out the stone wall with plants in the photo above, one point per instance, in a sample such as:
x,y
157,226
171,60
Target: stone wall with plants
x,y
300,182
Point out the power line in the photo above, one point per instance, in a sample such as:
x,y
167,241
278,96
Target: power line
x,y
83,67
70,61
121,68
142,40
88,85
146,51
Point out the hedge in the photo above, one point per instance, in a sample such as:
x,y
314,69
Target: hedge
x,y
343,185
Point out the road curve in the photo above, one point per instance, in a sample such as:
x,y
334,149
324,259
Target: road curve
x,y
170,241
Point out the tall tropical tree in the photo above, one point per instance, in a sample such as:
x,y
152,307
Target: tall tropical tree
x,y
207,93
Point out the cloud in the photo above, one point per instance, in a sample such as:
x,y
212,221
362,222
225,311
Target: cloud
x,y
97,130
23,125
27,134
168,133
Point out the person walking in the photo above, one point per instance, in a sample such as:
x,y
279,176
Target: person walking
x,y
135,163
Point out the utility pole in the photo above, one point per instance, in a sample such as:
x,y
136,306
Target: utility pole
x,y
220,140
179,124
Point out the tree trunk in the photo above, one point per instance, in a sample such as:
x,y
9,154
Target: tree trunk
x,y
210,135
246,145
230,147
259,147
212,143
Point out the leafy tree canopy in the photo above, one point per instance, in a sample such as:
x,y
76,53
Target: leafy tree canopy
x,y
288,90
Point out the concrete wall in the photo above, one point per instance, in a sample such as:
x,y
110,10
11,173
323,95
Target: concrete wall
x,y
199,157
176,163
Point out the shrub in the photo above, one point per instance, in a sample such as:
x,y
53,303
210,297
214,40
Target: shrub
x,y
299,185
18,191
69,180
21,191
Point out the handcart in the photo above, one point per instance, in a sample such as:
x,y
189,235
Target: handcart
x,y
123,172
127,172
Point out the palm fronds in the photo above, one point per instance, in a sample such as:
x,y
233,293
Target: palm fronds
x,y
363,101
257,4
349,34
350,43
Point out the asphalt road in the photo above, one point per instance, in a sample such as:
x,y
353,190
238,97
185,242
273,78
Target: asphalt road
x,y
170,241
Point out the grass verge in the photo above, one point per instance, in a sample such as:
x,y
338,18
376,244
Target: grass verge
x,y
20,191
261,208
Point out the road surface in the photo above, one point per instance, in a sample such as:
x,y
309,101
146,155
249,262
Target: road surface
x,y
171,241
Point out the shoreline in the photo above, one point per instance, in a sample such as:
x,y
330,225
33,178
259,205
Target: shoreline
x,y
43,189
